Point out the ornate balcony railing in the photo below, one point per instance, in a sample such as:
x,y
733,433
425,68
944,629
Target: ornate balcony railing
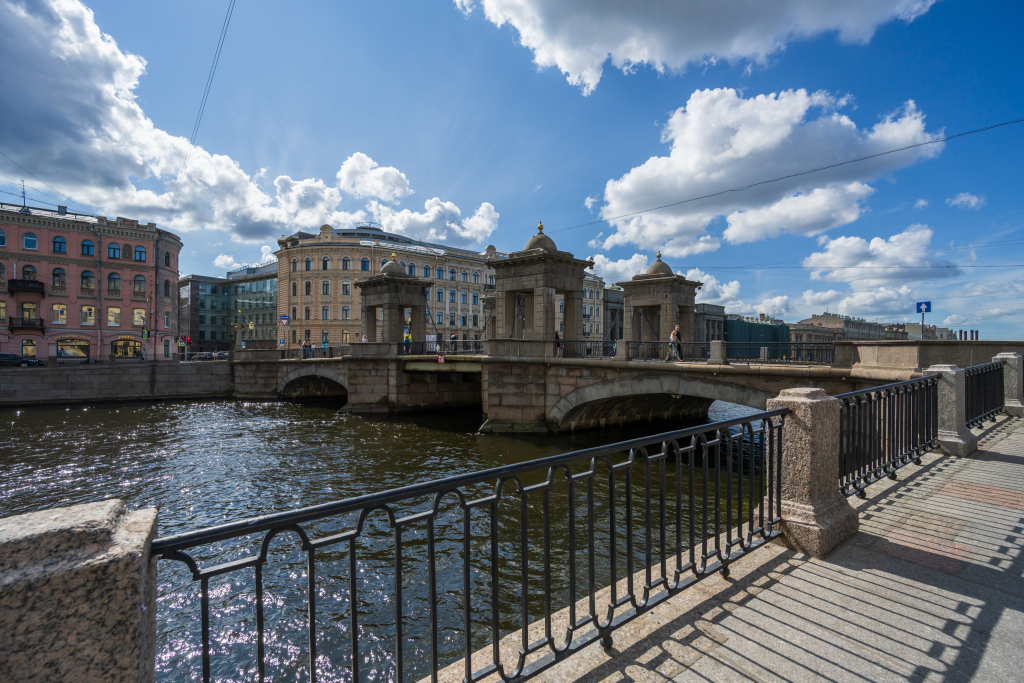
x,y
435,565
983,393
26,323
884,428
28,286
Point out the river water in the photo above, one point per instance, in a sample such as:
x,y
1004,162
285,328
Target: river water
x,y
207,463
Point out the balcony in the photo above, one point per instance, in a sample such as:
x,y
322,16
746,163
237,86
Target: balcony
x,y
26,324
29,286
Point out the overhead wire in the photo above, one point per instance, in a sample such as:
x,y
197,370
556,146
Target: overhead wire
x,y
58,193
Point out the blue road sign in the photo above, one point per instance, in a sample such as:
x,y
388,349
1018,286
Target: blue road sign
x,y
924,306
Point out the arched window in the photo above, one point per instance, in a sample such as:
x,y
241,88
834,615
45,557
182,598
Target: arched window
x,y
451,274
309,288
60,245
3,238
29,241
28,273
167,259
140,253
382,262
476,278
139,284
465,276
113,251
114,283
88,280
412,269
364,264
440,273
325,263
295,289
167,288
295,265
561,306
59,278
309,263
346,263
325,288
88,248
426,271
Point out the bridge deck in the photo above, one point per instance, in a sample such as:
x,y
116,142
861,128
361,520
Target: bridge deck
x,y
930,589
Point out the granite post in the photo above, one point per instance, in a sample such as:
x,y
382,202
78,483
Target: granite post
x,y
1013,382
816,517
955,438
717,355
78,595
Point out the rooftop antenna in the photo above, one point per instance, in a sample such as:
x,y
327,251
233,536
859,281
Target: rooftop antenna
x,y
24,206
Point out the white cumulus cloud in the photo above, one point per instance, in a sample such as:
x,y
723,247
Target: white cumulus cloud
x,y
267,254
722,140
620,270
966,200
920,203
579,36
439,221
361,176
226,262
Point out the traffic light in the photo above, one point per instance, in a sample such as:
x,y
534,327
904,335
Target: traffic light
x,y
188,340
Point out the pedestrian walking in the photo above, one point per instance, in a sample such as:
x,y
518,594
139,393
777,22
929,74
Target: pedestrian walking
x,y
558,345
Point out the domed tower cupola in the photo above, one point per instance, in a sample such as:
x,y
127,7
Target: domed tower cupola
x,y
659,267
393,267
655,302
541,241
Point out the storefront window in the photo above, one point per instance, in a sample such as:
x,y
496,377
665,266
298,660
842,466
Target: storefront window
x,y
72,348
126,348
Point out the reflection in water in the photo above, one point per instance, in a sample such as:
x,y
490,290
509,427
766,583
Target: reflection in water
x,y
213,462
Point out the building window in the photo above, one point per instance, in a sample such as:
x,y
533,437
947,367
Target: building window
x,y
561,327
29,311
88,248
465,276
346,289
440,318
139,285
426,271
294,316
476,298
59,314
309,263
307,312
60,245
28,273
464,300
140,253
202,334
28,348
346,313
325,288
113,251
295,289
309,334
476,321
309,288
88,315
344,337
295,265
59,278
88,280
139,317
167,259
114,283
167,348
451,296
476,278
3,239
113,316
440,273
325,263
346,263
561,307
325,336
451,274
463,321
167,288
29,241
440,296
167,320
598,310
383,262
325,312
451,319
364,264
294,334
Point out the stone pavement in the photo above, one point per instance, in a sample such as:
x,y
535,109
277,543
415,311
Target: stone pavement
x,y
930,589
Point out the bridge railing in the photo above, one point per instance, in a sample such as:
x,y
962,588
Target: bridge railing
x,y
884,428
697,352
588,348
983,393
303,353
468,347
663,511
782,352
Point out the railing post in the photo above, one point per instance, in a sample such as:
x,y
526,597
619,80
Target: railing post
x,y
955,438
1013,382
78,594
716,355
816,517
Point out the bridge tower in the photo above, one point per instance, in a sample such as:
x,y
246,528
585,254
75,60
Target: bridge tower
x,y
526,284
656,301
394,292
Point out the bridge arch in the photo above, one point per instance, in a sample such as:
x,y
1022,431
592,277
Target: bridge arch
x,y
664,397
312,380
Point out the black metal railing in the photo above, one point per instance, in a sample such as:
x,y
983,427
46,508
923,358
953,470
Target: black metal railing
x,y
587,348
304,352
128,360
29,286
697,352
821,353
884,428
26,323
983,393
431,568
73,360
464,347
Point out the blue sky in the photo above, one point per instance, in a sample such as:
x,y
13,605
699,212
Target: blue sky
x,y
466,122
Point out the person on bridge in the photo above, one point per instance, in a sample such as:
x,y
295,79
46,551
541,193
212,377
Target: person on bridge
x,y
364,339
673,344
558,346
407,343
323,348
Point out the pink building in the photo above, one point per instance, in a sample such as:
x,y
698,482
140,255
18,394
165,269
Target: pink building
x,y
78,286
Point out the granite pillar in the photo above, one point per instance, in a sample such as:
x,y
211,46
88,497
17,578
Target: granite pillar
x,y
816,517
1013,382
717,355
955,437
78,595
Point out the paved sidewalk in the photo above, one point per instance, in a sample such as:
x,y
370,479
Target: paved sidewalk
x,y
931,589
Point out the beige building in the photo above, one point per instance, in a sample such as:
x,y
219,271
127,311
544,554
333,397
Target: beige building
x,y
816,333
317,300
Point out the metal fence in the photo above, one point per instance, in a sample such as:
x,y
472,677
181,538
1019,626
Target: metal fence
x,y
73,360
664,511
305,352
782,352
127,360
587,348
884,428
983,393
697,352
200,356
466,347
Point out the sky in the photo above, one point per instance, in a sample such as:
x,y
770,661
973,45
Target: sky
x,y
465,122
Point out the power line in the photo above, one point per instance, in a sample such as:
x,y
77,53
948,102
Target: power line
x,y
202,106
828,267
59,194
794,175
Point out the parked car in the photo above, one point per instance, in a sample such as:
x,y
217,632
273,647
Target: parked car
x,y
20,361
221,355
